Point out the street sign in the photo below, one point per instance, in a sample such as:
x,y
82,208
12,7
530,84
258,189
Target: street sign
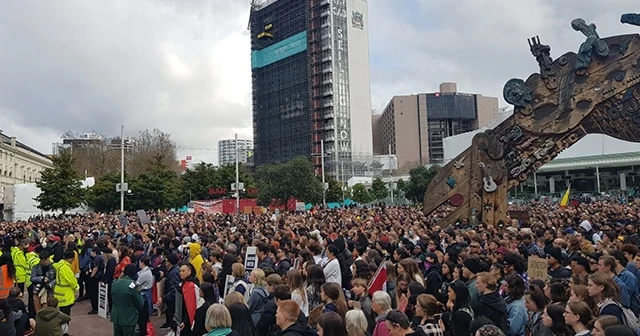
x,y
122,187
326,186
240,186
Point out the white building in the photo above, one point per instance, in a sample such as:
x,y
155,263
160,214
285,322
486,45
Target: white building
x,y
19,163
359,78
227,151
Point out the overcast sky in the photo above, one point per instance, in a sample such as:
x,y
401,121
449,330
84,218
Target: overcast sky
x,y
183,66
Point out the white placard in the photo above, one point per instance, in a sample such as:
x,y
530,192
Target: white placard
x,y
228,284
103,300
300,206
250,259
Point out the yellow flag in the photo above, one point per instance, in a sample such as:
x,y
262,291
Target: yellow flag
x,y
565,198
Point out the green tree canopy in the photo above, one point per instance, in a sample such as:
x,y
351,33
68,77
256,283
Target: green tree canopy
x,y
419,179
360,193
282,181
378,189
157,189
60,186
334,193
102,197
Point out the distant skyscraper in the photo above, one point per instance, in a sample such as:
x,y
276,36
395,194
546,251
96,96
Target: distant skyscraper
x,y
310,71
227,151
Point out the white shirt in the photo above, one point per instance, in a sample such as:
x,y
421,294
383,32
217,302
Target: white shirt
x,y
303,304
332,272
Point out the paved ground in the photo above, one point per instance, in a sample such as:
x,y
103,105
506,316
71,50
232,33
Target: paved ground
x,y
94,325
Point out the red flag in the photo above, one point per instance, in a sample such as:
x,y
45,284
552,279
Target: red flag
x,y
379,280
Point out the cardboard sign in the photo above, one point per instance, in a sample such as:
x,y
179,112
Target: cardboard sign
x,y
537,268
300,206
103,300
228,284
251,259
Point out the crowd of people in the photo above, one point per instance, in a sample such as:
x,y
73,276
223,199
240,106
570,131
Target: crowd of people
x,y
314,273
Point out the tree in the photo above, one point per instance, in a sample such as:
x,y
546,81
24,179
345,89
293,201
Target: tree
x,y
60,186
196,182
157,189
334,193
360,193
419,179
282,181
378,189
401,186
102,197
101,155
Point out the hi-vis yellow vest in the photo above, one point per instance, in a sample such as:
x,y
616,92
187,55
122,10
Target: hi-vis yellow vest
x,y
20,262
66,284
32,260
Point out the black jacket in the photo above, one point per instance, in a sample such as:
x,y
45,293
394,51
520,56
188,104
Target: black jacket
x,y
298,329
283,266
494,307
433,279
171,283
267,325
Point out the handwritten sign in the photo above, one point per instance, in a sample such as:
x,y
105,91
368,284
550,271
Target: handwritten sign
x,y
537,268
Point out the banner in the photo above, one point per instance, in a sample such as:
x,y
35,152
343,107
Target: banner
x,y
227,285
103,300
251,259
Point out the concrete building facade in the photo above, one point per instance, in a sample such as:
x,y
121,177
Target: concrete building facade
x,y
19,163
227,151
413,126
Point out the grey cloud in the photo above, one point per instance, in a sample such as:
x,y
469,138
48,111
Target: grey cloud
x,y
85,65
478,44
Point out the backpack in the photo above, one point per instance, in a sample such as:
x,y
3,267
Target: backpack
x,y
630,319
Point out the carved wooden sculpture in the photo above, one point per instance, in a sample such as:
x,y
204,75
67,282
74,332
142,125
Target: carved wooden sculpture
x,y
596,90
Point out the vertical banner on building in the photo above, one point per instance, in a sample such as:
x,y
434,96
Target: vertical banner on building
x,y
103,300
228,283
250,259
341,98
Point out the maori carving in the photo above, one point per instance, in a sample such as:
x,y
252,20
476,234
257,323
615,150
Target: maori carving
x,y
527,143
593,43
631,18
514,135
542,53
516,93
460,163
606,100
451,181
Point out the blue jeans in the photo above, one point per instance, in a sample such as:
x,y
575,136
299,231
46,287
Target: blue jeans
x,y
147,294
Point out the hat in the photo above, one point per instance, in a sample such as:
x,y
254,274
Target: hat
x,y
54,239
106,250
555,253
582,261
131,271
172,258
195,237
138,248
569,231
384,238
585,225
473,264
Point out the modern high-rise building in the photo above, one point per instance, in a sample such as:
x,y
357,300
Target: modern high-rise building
x,y
310,72
227,151
414,125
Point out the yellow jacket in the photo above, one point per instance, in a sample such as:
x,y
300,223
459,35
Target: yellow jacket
x,y
75,264
66,284
32,260
20,262
196,259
